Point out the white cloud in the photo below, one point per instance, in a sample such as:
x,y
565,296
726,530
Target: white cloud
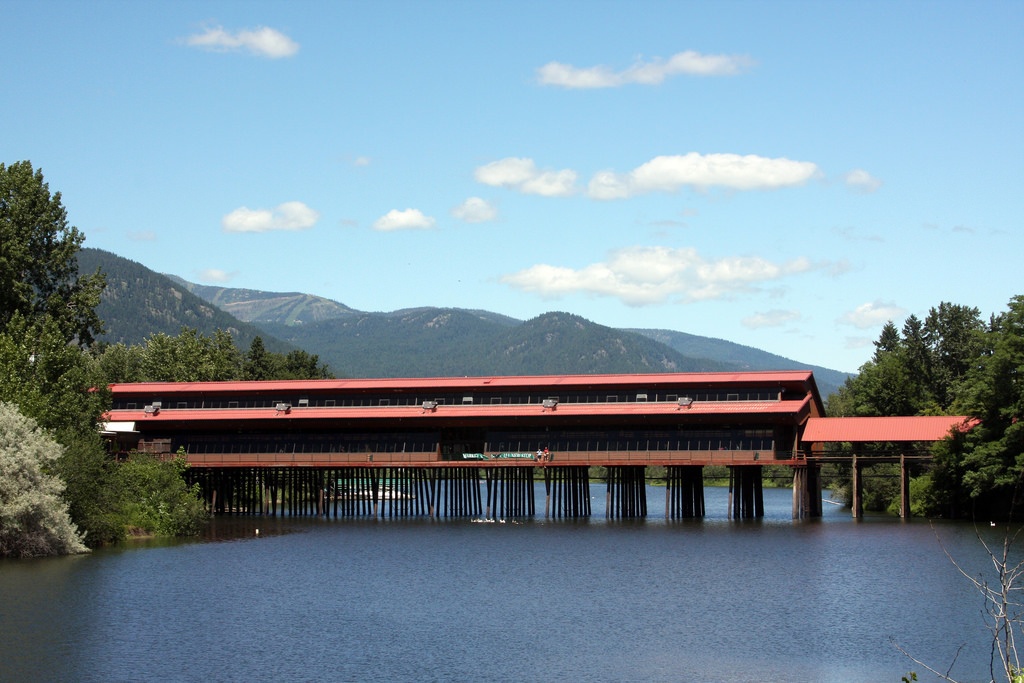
x,y
523,175
361,161
702,172
654,72
261,41
475,210
608,185
663,173
639,276
215,275
872,314
772,318
287,216
862,181
410,219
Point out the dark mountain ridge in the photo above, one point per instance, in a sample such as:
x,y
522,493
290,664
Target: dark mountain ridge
x,y
414,342
139,302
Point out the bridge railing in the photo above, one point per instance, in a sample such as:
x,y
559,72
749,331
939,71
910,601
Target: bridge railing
x,y
557,458
689,457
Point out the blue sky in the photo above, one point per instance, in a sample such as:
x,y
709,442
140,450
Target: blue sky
x,y
786,175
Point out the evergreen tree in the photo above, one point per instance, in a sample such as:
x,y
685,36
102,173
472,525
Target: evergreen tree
x,y
38,258
888,340
951,364
953,336
299,364
47,312
225,360
980,468
258,365
918,362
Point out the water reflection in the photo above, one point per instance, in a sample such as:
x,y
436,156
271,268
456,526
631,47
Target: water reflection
x,y
385,600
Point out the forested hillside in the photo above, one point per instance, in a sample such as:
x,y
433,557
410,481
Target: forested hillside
x,y
138,302
735,356
419,342
292,308
437,342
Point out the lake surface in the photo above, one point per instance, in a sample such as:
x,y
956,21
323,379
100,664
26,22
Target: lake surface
x,y
530,600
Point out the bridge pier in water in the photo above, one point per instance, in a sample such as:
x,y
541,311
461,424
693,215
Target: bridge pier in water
x,y
859,462
626,496
348,492
684,492
807,491
746,497
567,492
509,492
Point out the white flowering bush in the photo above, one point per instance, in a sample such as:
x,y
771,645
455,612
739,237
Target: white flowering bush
x,y
34,520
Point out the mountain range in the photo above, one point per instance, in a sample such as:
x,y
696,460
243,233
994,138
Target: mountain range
x,y
416,342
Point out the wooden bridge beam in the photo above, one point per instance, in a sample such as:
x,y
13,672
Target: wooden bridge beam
x,y
858,488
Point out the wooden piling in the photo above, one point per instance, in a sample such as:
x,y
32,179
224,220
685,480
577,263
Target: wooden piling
x,y
904,488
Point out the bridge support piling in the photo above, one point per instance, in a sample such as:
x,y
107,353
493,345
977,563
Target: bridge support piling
x,y
627,492
547,494
904,488
799,492
509,492
858,487
807,490
684,492
569,492
746,496
457,492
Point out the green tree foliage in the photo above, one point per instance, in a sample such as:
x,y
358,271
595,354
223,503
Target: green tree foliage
x,y
916,355
34,519
952,363
47,314
50,380
61,388
979,469
952,335
258,365
38,265
914,372
93,490
193,357
301,365
121,363
888,341
156,499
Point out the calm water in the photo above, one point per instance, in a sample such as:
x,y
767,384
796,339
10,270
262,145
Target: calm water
x,y
711,600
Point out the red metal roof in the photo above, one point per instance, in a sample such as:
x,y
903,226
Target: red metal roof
x,y
697,409
672,378
864,429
